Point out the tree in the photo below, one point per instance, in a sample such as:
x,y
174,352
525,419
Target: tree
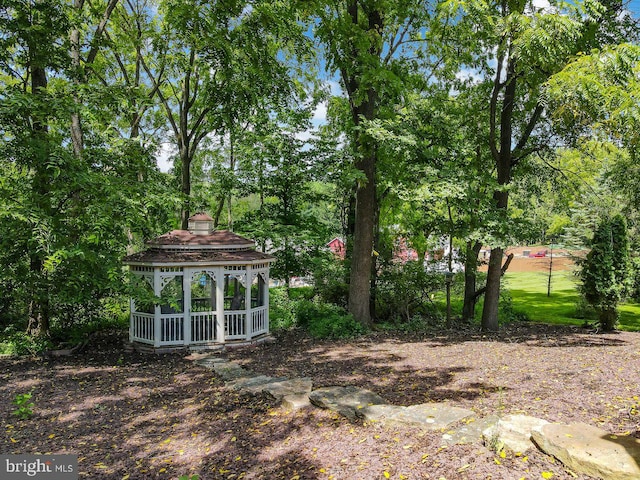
x,y
282,176
64,225
376,46
530,45
605,270
223,60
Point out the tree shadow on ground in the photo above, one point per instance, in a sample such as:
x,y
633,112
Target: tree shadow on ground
x,y
146,418
530,333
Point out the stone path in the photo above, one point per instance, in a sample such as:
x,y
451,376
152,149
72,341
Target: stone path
x,y
582,448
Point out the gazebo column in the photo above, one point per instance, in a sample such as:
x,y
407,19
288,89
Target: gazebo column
x,y
186,307
220,320
266,300
248,319
157,290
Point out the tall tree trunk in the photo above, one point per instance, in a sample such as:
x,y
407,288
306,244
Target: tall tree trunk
x,y
361,259
366,201
470,277
503,160
218,212
39,313
77,139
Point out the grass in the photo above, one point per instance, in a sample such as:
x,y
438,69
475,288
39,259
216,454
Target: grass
x,y
529,293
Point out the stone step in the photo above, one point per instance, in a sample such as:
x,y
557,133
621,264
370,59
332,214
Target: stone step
x,y
347,401
429,416
590,450
469,431
231,371
255,384
289,388
512,432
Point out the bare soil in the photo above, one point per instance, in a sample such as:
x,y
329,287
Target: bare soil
x,y
137,416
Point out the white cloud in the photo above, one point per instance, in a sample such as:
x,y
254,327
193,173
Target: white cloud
x,y
320,113
163,158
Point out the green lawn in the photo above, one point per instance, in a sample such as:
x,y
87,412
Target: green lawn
x,y
529,293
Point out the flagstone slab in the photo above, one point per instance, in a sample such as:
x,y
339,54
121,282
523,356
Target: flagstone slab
x,y
347,401
295,386
587,449
430,416
231,371
293,403
512,432
253,384
209,362
469,431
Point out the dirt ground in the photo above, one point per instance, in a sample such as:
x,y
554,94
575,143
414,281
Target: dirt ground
x,y
131,416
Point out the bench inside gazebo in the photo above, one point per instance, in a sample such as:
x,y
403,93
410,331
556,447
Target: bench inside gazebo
x,y
199,288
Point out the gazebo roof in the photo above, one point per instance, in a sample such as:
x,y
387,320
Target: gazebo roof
x,y
154,256
198,245
218,239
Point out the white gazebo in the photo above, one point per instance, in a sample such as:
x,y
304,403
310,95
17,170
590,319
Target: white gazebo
x,y
212,286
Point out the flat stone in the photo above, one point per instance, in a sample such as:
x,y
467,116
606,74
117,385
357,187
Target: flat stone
x,y
292,403
231,371
512,432
430,416
590,450
295,386
470,431
209,362
252,384
347,401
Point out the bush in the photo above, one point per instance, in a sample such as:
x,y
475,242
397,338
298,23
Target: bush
x,y
16,342
605,270
282,310
404,291
329,276
325,320
506,312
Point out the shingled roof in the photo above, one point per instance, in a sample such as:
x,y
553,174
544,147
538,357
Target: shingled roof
x,y
184,246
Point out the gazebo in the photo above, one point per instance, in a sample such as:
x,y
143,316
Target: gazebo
x,y
213,288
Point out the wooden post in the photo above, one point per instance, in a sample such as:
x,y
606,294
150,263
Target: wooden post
x,y
186,308
248,319
266,299
156,309
220,320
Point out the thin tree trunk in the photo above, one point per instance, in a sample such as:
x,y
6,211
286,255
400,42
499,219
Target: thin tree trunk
x,y
470,279
218,212
185,175
361,259
39,306
503,159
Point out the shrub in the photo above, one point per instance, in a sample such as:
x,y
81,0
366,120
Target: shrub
x,y
325,320
605,270
19,343
330,284
24,406
404,291
282,310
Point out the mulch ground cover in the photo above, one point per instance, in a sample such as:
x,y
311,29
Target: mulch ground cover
x,y
134,416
